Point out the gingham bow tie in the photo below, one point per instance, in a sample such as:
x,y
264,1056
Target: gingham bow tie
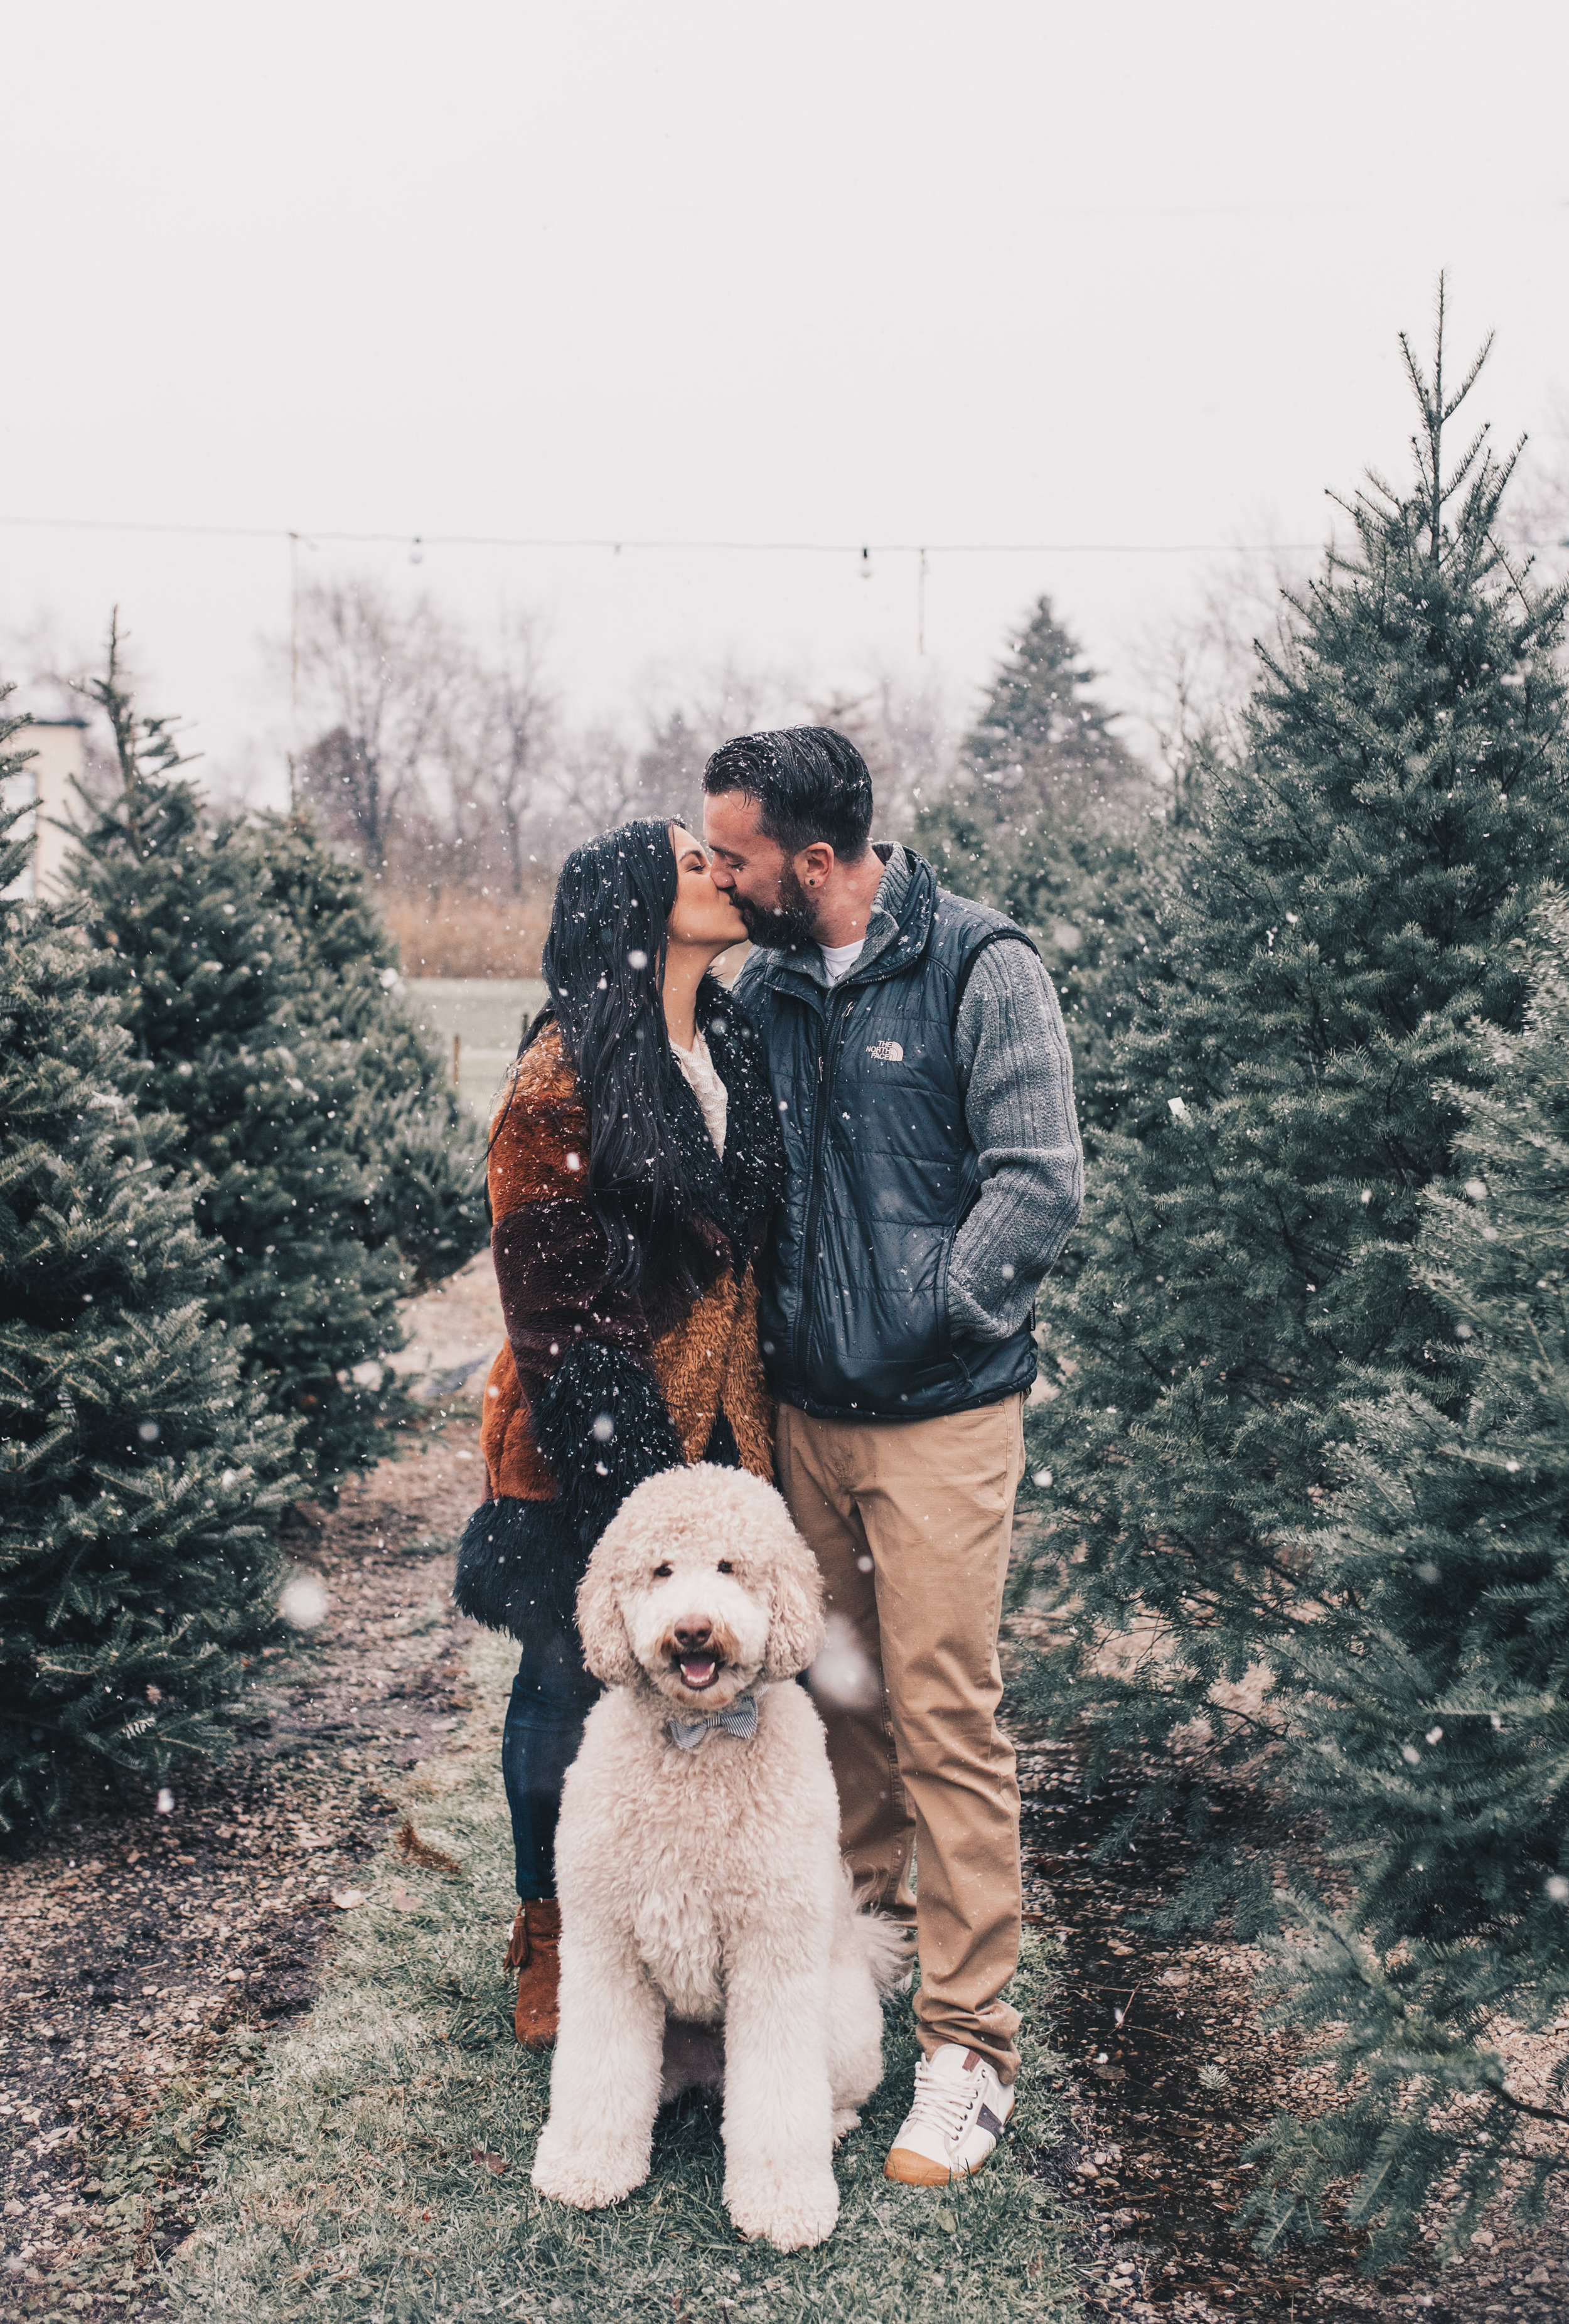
x,y
739,1717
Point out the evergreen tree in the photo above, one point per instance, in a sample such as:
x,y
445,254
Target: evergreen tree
x,y
139,1474
1043,746
338,1175
1340,965
423,1154
1048,818
1432,1743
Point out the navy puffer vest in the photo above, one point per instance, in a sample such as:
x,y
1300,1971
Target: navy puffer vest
x,y
854,1311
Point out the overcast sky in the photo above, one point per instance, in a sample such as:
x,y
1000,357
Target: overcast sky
x,y
1003,271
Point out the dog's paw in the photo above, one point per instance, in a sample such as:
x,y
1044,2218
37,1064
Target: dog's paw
x,y
587,2176
791,2214
844,2121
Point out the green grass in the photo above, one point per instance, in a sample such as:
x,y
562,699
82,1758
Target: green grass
x,y
349,2186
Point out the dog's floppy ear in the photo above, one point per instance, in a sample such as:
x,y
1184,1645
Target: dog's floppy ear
x,y
606,1647
795,1630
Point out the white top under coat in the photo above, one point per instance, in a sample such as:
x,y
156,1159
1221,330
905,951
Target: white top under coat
x,y
704,1082
838,960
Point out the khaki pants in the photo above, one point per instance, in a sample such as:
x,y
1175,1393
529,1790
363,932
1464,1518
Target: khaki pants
x,y
911,1522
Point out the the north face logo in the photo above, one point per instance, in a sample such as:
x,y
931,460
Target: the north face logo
x,y
891,1051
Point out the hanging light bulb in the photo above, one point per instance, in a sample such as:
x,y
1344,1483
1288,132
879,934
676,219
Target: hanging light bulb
x,y
417,551
866,564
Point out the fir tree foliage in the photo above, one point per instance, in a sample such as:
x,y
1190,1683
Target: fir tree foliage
x,y
1042,749
1340,967
139,1474
335,1171
425,1153
1048,818
1434,1744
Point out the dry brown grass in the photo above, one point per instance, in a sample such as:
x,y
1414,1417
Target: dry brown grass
x,y
462,932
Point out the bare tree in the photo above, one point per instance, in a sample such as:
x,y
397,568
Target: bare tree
x,y
440,761
671,766
504,751
601,778
904,734
1196,676
596,783
723,698
688,718
383,682
1537,518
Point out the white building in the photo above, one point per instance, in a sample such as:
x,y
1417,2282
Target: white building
x,y
46,786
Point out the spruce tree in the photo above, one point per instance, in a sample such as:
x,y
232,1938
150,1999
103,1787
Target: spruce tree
x,y
1043,746
139,1474
1341,964
424,1156
1047,817
338,1175
1431,1744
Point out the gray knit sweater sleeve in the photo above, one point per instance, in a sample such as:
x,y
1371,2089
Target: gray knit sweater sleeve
x,y
1017,1078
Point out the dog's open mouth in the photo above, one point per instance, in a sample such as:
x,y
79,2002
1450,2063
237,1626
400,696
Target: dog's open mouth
x,y
697,1656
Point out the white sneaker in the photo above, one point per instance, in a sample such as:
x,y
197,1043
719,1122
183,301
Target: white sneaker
x,y
960,2108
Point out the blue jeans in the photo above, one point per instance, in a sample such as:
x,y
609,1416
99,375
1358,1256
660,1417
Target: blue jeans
x,y
552,1695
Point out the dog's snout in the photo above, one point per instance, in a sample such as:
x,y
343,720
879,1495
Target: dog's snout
x,y
692,1631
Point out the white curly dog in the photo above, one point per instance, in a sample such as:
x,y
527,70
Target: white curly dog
x,y
697,1861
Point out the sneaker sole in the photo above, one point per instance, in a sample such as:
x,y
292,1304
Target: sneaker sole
x,y
908,2169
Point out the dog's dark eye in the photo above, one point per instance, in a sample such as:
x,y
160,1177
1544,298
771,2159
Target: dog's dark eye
x,y
725,1566
662,1573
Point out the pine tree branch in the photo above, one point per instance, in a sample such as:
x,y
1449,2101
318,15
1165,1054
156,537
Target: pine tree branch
x,y
1520,2106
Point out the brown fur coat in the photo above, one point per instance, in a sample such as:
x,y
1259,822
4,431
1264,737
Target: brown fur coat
x,y
701,1356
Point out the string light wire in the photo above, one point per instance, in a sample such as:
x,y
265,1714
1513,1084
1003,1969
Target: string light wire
x,y
859,549
418,543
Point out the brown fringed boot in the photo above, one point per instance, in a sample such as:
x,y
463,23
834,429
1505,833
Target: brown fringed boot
x,y
535,1953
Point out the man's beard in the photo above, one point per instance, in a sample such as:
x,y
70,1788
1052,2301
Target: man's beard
x,y
791,926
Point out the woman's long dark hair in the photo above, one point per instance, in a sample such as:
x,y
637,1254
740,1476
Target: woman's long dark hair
x,y
604,966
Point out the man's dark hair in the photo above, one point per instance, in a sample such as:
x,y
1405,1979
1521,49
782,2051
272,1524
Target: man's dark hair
x,y
809,782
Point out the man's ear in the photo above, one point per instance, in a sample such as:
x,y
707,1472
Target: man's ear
x,y
814,865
